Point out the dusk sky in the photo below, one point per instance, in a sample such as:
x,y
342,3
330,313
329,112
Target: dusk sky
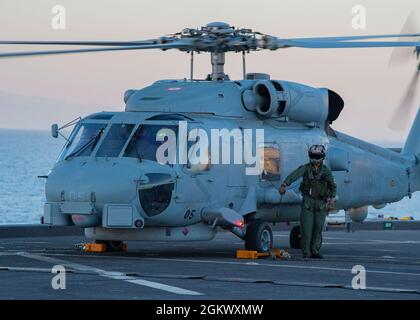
x,y
34,92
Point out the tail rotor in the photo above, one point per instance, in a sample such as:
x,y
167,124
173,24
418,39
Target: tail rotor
x,y
400,56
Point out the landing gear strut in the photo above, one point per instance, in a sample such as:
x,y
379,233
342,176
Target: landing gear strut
x,y
294,238
259,236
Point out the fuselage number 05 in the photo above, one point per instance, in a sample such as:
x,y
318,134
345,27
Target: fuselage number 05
x,y
189,214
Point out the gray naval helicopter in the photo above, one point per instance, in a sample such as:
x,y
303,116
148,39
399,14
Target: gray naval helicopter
x,y
108,181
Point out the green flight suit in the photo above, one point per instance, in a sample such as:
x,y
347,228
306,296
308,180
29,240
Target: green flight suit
x,y
317,186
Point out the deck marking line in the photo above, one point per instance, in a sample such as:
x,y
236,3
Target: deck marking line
x,y
243,264
285,266
110,274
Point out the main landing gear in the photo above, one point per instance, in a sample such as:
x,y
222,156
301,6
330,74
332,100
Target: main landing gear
x,y
294,238
259,236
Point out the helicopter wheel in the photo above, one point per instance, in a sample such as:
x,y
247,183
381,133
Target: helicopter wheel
x,y
259,236
112,245
295,237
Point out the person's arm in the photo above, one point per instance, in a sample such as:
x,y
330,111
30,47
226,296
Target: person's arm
x,y
292,177
332,189
332,186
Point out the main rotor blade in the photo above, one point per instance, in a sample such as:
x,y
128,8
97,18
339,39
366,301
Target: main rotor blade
x,y
351,38
400,56
344,44
175,45
80,43
401,115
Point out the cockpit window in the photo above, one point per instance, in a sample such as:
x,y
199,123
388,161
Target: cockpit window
x,y
198,159
85,140
115,140
148,138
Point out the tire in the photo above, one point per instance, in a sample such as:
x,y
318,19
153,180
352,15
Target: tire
x,y
259,236
294,238
112,245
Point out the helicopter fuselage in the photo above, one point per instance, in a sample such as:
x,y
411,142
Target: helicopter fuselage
x,y
114,186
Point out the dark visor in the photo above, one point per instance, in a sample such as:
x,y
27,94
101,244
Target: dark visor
x,y
316,156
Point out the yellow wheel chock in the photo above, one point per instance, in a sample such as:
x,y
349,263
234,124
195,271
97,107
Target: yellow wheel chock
x,y
249,254
100,247
94,247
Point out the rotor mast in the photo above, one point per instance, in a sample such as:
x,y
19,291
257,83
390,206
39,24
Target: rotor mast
x,y
218,66
217,58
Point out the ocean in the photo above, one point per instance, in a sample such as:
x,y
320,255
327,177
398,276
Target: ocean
x,y
26,154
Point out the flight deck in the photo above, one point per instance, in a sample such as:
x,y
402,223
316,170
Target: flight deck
x,y
209,270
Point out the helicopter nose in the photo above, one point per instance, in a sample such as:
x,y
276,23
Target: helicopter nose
x,y
85,189
96,181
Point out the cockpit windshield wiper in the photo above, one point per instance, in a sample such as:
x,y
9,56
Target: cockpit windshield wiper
x,y
94,141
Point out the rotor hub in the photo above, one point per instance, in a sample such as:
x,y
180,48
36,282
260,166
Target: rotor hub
x,y
218,25
218,37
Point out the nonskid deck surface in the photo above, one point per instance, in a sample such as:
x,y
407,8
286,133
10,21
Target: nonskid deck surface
x,y
209,270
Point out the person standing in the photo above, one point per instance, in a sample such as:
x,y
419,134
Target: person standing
x,y
318,189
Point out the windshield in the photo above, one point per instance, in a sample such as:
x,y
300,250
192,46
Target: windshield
x,y
85,140
147,139
115,140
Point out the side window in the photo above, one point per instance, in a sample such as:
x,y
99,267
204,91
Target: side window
x,y
145,142
115,140
270,162
198,157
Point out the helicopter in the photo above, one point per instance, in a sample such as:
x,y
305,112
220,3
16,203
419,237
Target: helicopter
x,y
108,178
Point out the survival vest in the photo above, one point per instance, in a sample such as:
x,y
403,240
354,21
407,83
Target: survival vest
x,y
315,184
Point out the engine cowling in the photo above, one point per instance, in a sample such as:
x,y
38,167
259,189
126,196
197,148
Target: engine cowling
x,y
296,102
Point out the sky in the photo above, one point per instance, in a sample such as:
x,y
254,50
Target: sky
x,y
35,92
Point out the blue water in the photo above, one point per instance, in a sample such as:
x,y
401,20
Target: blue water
x,y
26,154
